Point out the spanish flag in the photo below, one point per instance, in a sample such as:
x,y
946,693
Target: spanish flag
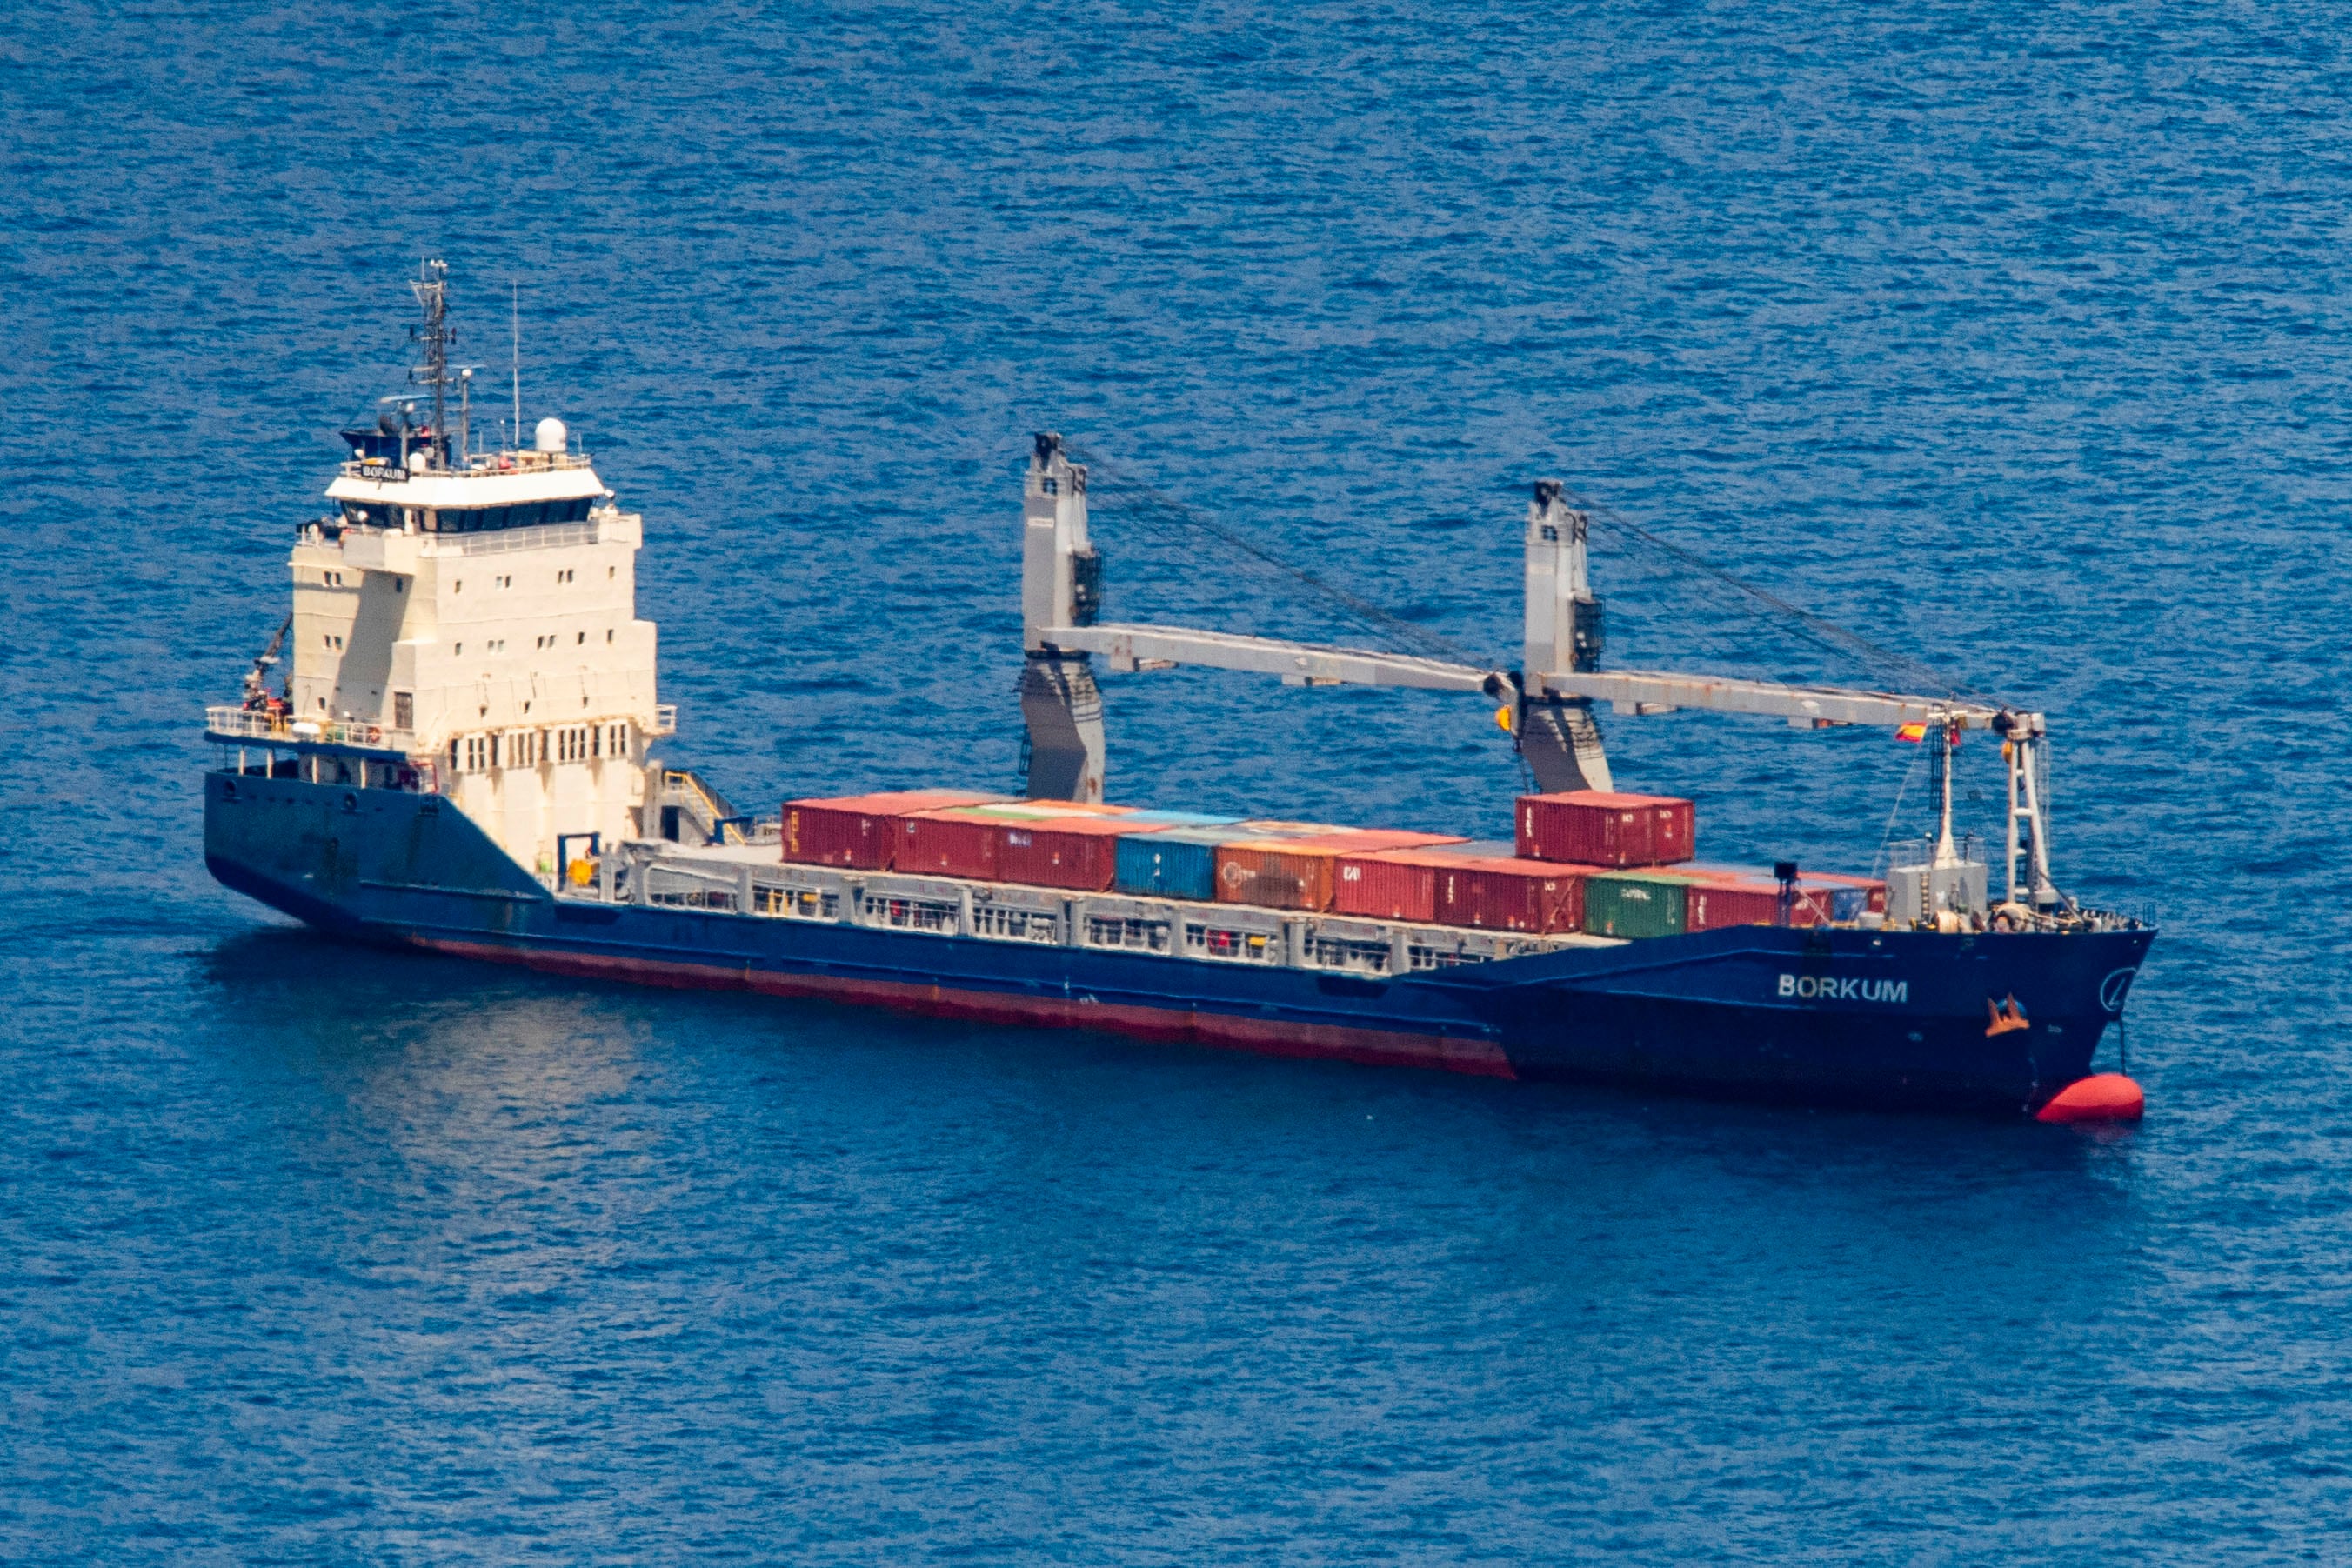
x,y
1916,734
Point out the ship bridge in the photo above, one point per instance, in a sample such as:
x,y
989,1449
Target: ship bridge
x,y
488,493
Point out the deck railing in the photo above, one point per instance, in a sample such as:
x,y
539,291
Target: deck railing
x,y
228,722
539,536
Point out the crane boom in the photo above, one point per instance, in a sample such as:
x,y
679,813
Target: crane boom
x,y
1634,691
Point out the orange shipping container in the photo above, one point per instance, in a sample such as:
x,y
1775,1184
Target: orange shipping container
x,y
1278,873
1302,871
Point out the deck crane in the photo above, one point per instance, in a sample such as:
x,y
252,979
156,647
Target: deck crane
x,y
1550,698
256,680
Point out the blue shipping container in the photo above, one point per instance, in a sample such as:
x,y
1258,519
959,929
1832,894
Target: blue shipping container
x,y
1158,818
1179,862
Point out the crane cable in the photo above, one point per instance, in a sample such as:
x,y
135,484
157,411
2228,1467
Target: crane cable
x,y
1819,629
1153,504
1156,506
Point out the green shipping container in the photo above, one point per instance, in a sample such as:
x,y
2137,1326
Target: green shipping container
x,y
1635,903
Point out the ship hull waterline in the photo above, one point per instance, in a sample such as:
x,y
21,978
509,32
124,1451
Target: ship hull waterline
x,y
1895,1020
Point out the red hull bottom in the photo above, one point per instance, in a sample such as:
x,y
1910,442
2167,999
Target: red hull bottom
x,y
1370,1046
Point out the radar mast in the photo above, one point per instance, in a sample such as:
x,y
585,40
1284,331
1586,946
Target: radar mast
x,y
432,290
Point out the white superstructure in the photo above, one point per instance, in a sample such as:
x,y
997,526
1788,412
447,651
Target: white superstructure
x,y
474,617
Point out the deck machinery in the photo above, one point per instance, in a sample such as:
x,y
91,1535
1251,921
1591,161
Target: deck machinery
x,y
460,761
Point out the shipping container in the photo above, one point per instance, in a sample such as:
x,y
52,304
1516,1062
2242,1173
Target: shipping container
x,y
1388,884
1636,904
855,831
1278,873
1592,827
1079,852
1714,902
1850,897
1504,894
1174,862
951,843
1178,819
1821,898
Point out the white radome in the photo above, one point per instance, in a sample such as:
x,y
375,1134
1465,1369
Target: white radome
x,y
551,436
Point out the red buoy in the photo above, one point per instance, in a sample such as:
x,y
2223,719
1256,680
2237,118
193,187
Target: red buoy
x,y
2102,1097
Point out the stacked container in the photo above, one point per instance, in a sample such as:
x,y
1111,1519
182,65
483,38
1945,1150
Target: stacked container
x,y
1593,827
858,831
1555,883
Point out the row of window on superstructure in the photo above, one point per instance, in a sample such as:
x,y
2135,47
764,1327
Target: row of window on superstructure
x,y
530,747
468,520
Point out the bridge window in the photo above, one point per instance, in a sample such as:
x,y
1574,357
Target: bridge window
x,y
492,519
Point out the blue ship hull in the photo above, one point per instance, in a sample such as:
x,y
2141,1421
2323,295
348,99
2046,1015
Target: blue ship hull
x,y
1896,1019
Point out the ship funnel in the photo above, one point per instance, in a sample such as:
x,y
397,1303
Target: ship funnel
x,y
550,435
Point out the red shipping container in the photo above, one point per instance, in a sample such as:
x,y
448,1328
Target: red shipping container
x,y
1714,902
1873,891
946,843
1079,852
855,831
1387,884
1393,884
1822,897
1496,894
1593,827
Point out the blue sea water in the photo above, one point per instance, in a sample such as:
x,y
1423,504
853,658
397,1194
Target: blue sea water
x,y
2013,335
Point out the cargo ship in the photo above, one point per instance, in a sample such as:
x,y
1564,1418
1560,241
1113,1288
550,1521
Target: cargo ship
x,y
451,745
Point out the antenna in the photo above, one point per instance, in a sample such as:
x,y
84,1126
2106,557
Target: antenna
x,y
432,291
514,325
